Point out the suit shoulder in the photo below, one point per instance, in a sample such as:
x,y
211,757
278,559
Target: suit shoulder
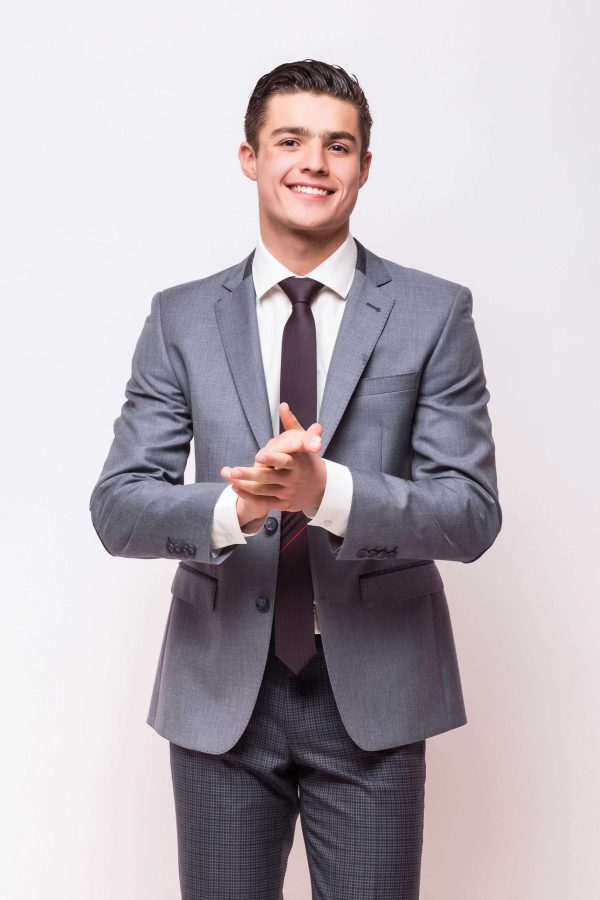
x,y
200,289
423,281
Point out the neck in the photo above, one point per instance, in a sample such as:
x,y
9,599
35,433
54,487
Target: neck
x,y
302,251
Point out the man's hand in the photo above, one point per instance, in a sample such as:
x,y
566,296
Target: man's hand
x,y
289,473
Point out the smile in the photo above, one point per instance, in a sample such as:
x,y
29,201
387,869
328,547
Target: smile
x,y
310,191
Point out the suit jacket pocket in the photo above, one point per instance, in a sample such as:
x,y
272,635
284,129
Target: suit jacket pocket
x,y
400,583
385,384
194,587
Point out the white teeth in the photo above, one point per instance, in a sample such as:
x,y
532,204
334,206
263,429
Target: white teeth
x,y
309,190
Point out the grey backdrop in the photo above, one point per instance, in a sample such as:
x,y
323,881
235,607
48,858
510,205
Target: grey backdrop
x,y
120,178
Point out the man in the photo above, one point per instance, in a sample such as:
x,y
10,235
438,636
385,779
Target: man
x,y
308,651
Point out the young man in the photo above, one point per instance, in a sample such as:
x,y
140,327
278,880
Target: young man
x,y
384,462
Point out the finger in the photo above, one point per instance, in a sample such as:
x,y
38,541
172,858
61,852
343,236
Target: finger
x,y
258,475
258,489
274,502
277,459
287,442
312,437
288,418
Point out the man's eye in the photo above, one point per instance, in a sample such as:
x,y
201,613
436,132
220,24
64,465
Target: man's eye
x,y
289,141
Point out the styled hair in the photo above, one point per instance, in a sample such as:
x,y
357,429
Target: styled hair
x,y
311,76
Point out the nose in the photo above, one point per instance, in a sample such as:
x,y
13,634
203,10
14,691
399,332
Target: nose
x,y
314,158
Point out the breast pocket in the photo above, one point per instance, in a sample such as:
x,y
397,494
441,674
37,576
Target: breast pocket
x,y
194,587
386,384
400,583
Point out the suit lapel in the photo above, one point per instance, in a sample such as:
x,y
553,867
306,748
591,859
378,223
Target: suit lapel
x,y
367,308
365,314
236,317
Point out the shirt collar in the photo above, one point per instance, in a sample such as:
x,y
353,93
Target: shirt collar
x,y
336,272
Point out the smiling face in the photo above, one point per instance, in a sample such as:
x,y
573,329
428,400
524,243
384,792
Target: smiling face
x,y
308,168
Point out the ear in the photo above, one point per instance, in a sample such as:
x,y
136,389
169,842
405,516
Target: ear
x,y
247,160
364,168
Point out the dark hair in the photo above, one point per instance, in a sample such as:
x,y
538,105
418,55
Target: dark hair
x,y
316,78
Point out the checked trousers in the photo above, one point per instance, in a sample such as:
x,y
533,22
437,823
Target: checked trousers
x,y
361,811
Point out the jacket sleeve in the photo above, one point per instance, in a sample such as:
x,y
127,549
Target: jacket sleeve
x,y
140,506
449,508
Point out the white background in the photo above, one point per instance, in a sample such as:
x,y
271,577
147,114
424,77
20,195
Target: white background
x,y
120,178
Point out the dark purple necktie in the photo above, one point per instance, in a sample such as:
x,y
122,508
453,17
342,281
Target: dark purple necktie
x,y
293,615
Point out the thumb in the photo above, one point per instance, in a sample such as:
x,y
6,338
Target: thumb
x,y
288,418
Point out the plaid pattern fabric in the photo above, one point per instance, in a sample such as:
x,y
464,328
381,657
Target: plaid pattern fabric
x,y
361,811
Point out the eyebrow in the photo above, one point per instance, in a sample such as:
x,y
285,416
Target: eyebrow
x,y
306,132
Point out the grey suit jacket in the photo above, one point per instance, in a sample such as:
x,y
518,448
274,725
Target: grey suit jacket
x,y
404,407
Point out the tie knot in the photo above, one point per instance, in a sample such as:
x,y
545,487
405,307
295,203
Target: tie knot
x,y
300,290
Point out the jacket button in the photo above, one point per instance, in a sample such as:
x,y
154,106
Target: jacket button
x,y
262,603
271,525
363,552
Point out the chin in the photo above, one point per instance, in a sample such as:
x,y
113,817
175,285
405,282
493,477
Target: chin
x,y
312,226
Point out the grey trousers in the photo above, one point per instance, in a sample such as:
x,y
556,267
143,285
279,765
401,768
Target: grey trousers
x,y
361,811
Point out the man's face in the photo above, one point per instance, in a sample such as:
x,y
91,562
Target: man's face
x,y
307,139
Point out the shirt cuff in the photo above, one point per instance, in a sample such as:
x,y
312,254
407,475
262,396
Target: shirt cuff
x,y
226,529
334,510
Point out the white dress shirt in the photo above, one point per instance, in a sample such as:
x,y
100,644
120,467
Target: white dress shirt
x,y
273,307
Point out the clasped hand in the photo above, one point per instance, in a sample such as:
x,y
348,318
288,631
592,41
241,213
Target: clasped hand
x,y
289,474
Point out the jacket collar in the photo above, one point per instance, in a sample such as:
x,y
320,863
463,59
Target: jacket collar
x,y
336,272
